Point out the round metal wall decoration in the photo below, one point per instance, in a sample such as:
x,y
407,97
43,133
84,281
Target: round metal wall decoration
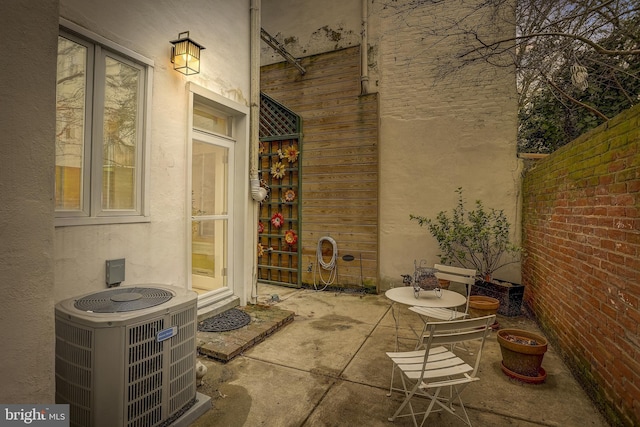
x,y
290,153
289,195
278,170
277,220
290,237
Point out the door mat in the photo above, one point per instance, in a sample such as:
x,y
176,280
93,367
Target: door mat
x,y
226,321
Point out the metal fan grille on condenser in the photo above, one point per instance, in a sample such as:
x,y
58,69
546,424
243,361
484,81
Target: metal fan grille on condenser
x,y
123,299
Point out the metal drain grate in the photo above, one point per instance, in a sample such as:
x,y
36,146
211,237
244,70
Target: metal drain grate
x,y
227,321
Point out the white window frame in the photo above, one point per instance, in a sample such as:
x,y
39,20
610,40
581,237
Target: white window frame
x,y
91,212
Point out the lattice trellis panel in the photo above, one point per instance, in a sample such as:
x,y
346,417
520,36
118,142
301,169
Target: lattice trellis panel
x,y
279,227
276,120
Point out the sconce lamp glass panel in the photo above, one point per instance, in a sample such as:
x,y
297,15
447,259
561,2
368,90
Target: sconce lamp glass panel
x,y
185,54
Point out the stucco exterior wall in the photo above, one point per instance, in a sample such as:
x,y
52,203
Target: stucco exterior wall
x,y
436,134
156,252
27,126
307,28
43,264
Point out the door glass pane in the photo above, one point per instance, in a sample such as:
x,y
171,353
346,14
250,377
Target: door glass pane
x,y
209,254
120,135
70,114
210,181
211,120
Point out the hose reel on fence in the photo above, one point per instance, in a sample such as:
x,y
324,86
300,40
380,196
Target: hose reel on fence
x,y
321,264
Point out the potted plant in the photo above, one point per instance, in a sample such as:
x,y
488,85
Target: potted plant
x,y
480,305
479,239
522,354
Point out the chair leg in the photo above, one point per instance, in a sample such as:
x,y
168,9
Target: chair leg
x,y
434,399
407,400
447,405
464,410
393,370
393,365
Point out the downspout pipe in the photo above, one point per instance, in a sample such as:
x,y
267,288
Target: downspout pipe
x,y
257,193
364,46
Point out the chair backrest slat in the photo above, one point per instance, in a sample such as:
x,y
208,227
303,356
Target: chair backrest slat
x,y
455,278
453,337
455,274
459,271
458,275
458,331
460,324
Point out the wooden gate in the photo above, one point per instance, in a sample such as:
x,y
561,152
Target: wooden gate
x,y
279,260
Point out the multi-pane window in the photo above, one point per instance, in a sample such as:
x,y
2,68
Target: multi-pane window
x,y
100,133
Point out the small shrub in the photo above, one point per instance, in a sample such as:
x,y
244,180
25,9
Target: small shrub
x,y
479,238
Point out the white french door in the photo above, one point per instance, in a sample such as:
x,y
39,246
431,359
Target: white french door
x,y
211,216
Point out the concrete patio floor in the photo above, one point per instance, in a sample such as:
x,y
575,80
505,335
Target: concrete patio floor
x,y
328,368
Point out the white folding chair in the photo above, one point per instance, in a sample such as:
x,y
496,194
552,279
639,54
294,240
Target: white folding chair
x,y
426,371
466,276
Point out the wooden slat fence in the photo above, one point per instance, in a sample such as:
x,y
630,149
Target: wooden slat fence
x,y
340,165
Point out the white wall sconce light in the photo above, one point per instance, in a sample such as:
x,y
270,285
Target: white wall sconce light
x,y
185,54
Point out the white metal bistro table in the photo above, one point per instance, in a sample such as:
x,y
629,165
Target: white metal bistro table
x,y
404,295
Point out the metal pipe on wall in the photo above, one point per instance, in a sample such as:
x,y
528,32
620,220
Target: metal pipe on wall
x,y
364,60
257,193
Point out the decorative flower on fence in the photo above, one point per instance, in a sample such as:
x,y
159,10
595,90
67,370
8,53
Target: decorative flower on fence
x,y
261,148
277,220
290,237
260,227
289,195
277,170
260,249
290,153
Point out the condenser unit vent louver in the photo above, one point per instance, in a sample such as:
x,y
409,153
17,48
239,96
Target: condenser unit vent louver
x,y
126,356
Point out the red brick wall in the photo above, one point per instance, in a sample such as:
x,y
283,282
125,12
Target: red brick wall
x,y
581,233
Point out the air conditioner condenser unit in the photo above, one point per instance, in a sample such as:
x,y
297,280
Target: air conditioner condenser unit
x,y
126,357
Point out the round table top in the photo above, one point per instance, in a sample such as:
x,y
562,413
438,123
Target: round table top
x,y
404,295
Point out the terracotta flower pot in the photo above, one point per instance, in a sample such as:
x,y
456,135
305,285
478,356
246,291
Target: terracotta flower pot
x,y
522,351
483,306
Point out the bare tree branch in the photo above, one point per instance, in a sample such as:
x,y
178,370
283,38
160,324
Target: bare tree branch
x,y
542,41
575,101
594,45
